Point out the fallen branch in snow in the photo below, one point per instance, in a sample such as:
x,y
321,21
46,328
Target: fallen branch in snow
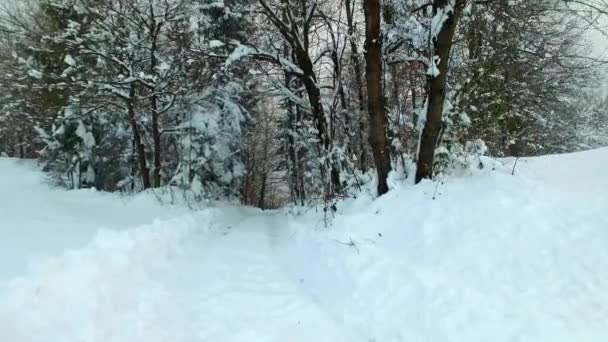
x,y
350,244
514,165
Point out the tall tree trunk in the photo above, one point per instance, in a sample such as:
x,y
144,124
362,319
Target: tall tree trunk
x,y
375,94
442,45
335,174
21,147
301,160
154,31
314,97
293,150
261,199
157,144
356,64
141,151
414,96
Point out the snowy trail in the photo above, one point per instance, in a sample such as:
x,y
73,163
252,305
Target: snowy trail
x,y
248,293
494,257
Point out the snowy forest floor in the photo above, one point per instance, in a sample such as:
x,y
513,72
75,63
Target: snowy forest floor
x,y
494,257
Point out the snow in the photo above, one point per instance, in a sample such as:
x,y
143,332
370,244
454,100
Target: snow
x,y
239,53
442,15
38,222
494,257
35,74
69,60
87,137
216,44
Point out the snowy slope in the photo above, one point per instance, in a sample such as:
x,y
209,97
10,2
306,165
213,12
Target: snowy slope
x,y
493,257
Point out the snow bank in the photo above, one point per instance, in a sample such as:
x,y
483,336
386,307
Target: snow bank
x,y
104,292
38,221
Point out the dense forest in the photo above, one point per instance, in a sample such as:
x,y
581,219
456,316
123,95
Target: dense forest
x,y
272,102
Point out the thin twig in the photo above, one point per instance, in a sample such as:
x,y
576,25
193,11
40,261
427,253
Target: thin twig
x,y
514,165
350,244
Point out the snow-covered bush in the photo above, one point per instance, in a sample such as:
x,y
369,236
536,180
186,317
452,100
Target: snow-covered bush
x,y
209,145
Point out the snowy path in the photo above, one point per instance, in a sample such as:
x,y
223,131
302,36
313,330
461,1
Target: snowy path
x,y
235,275
493,258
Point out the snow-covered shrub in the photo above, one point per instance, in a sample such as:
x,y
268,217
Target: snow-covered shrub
x,y
209,145
85,150
455,154
68,153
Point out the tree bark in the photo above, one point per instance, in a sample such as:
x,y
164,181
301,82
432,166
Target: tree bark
x,y
314,97
261,199
375,95
356,64
442,45
141,152
154,32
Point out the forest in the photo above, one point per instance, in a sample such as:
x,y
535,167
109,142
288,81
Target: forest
x,y
303,170
271,102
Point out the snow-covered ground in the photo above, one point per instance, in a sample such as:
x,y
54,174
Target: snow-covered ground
x,y
493,257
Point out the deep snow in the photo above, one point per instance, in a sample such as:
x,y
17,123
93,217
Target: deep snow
x,y
494,257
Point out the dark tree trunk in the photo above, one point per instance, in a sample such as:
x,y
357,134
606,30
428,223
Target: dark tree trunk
x,y
141,152
356,64
293,131
375,95
21,147
314,97
300,153
414,96
261,200
157,144
437,90
292,126
335,174
154,31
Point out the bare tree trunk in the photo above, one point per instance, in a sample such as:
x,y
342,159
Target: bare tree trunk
x,y
442,45
141,152
261,203
335,174
314,97
292,150
356,64
375,94
293,117
133,158
299,156
154,31
21,147
414,96
157,144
